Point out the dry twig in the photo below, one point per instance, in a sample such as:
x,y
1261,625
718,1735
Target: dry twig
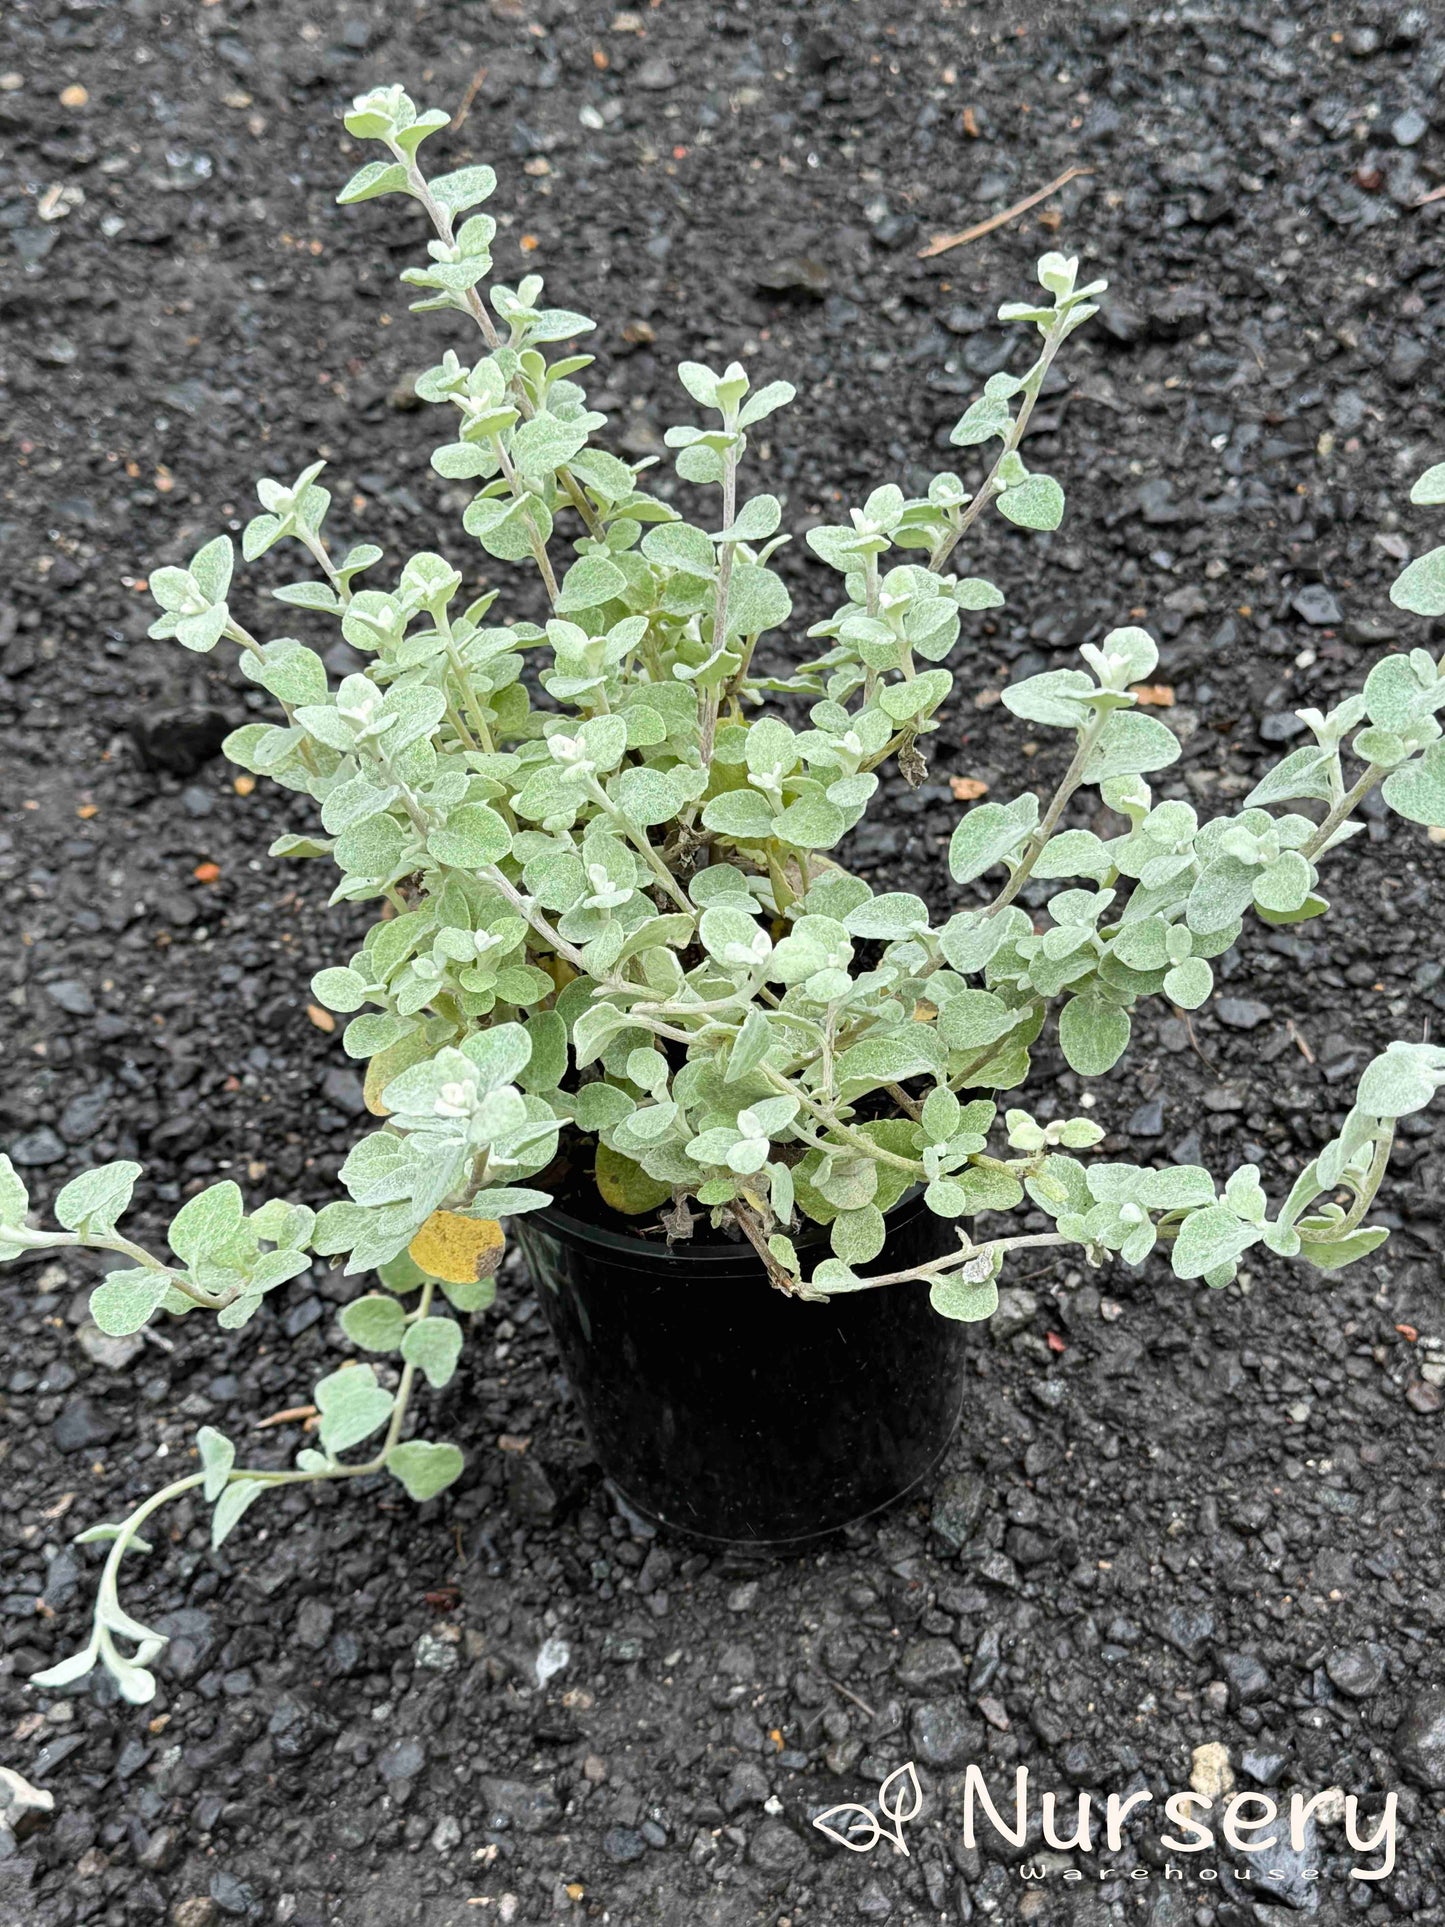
x,y
941,243
474,87
848,1694
1304,1050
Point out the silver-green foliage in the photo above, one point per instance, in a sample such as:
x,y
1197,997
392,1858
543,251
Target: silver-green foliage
x,y
225,1260
636,880
615,911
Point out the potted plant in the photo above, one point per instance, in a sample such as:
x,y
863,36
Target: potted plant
x,y
623,990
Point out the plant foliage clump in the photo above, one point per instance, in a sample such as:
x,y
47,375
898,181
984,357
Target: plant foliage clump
x,y
602,847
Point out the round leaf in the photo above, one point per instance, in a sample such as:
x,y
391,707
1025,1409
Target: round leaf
x,y
1189,983
1093,1034
625,1186
424,1468
457,1248
123,1302
966,1299
1037,503
377,1322
433,1345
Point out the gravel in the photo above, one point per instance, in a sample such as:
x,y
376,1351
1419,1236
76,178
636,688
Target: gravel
x,y
1119,1523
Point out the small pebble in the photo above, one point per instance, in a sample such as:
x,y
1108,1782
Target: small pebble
x,y
1210,1772
1409,128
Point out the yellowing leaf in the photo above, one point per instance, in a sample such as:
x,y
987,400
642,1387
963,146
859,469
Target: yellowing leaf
x,y
458,1249
558,969
374,1083
322,1019
390,1063
626,1186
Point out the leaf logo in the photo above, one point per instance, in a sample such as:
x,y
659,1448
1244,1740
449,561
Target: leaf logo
x,y
900,1800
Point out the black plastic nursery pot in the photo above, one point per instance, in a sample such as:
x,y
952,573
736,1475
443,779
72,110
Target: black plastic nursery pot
x,y
727,1410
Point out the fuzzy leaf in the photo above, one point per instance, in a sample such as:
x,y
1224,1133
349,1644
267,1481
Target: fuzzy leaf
x,y
1421,588
78,1664
1401,1080
471,1297
592,1030
1417,789
1331,1254
473,837
941,1112
588,583
966,1299
1209,1239
376,1322
238,1495
681,547
757,600
206,1223
1074,853
811,823
969,940
987,835
1056,698
1189,983
750,1045
772,395
650,796
1130,745
976,592
971,1018
124,1300
218,1455
1429,490
14,1198
1221,892
897,913
339,988
739,813
1093,1034
1037,503
1303,773
984,419
424,1468
434,1346
201,633
1285,884
377,177
756,521
352,1407
857,1236
93,1201
464,188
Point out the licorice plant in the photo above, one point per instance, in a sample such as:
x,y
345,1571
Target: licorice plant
x,y
602,848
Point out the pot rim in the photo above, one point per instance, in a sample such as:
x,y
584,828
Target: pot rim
x,y
725,1256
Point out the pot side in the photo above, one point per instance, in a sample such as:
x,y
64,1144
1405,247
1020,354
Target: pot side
x,y
723,1409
